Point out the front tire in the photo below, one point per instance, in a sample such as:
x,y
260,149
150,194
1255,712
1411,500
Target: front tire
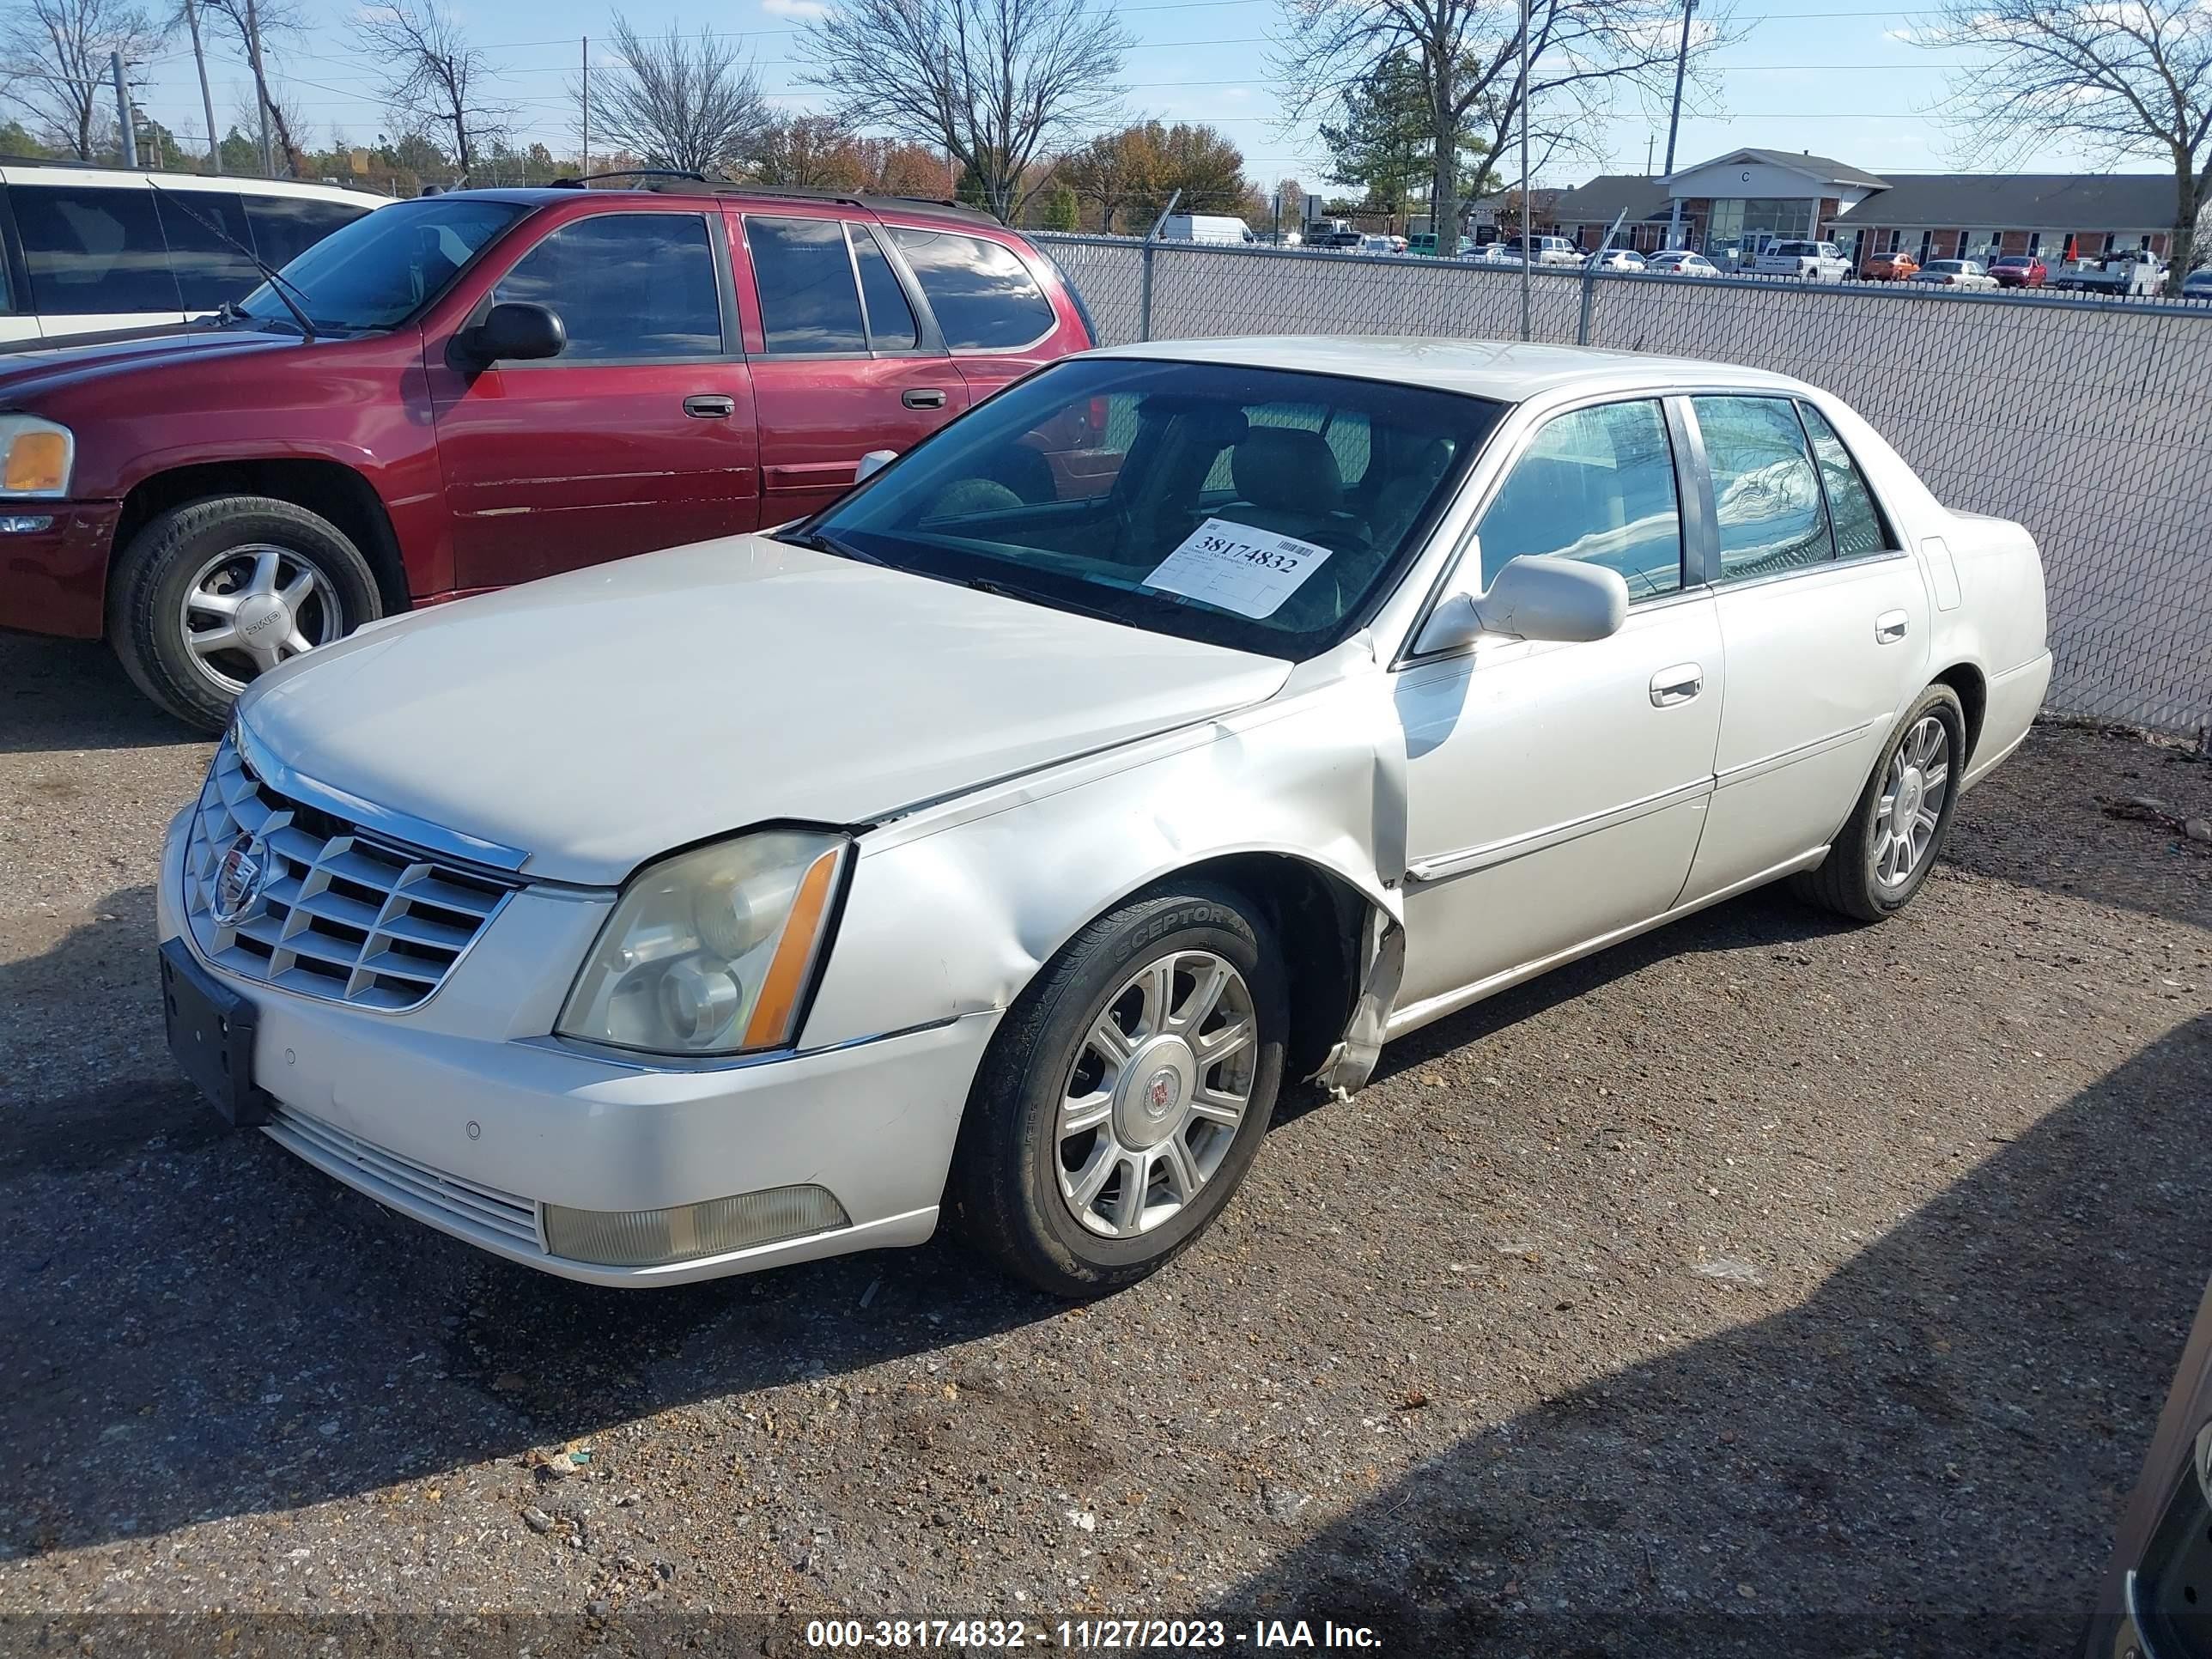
x,y
1127,1094
212,594
1902,817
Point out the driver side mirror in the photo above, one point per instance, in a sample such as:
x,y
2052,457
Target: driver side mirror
x,y
1538,596
513,331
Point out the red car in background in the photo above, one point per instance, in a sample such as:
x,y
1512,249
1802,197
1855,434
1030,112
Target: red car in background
x,y
2018,271
474,389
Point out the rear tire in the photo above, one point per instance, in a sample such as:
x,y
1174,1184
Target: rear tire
x,y
1126,1093
278,577
1885,853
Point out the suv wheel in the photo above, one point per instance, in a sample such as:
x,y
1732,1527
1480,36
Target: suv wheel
x,y
212,594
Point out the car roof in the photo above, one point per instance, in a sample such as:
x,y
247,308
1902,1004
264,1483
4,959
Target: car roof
x,y
740,195
81,175
1502,371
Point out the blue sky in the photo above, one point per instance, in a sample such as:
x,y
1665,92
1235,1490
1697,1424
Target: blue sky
x,y
1831,77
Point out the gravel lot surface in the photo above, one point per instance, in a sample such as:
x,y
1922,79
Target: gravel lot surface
x,y
1764,1285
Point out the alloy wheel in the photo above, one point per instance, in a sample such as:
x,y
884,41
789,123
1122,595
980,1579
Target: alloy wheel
x,y
249,608
1911,806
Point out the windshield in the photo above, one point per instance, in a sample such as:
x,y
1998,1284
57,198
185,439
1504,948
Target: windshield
x,y
384,266
1262,509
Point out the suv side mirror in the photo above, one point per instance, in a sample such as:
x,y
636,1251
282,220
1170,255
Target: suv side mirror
x,y
515,330
1538,596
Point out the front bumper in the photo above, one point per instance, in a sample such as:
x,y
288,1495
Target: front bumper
x,y
463,1116
54,580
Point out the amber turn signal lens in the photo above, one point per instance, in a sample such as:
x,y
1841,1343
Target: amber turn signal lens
x,y
38,462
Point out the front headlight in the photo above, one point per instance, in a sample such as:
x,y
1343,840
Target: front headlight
x,y
35,455
711,951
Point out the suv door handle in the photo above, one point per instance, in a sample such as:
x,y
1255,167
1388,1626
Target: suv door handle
x,y
1677,685
1889,627
710,406
924,397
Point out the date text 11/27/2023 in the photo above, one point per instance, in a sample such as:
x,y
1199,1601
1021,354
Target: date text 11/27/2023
x,y
1124,1635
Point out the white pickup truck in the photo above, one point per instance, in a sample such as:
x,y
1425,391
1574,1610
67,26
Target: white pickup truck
x,y
1812,262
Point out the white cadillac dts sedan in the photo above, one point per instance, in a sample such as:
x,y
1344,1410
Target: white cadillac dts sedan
x,y
1184,720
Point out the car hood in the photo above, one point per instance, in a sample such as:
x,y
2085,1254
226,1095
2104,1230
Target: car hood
x,y
597,718
29,369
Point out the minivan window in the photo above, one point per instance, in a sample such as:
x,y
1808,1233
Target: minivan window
x,y
984,297
385,265
91,251
804,274
627,286
209,269
285,227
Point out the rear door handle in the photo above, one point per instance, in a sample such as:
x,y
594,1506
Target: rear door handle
x,y
1889,627
710,406
925,398
1677,685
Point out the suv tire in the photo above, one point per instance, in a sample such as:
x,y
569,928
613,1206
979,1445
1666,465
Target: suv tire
x,y
306,582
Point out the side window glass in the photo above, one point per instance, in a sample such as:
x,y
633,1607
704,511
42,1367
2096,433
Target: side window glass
x,y
1596,484
1766,494
891,319
984,297
627,286
1860,527
208,269
285,227
94,251
805,276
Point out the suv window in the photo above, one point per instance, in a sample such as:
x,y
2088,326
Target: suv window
x,y
984,297
1859,526
1767,494
1596,484
90,250
804,272
629,286
209,269
891,326
285,227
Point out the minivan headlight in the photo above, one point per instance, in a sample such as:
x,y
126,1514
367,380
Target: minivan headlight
x,y
712,951
35,455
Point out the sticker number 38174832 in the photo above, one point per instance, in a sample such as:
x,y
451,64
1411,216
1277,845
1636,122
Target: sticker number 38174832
x,y
1237,568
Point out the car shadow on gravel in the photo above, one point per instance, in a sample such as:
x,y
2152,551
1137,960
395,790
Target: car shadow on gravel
x,y
1857,1475
57,695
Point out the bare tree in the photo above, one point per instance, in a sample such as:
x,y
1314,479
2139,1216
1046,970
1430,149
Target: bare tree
x,y
2124,78
999,83
55,53
691,104
1466,54
278,20
433,76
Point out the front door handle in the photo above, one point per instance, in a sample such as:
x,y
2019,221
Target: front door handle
x,y
1889,627
1677,685
710,406
923,397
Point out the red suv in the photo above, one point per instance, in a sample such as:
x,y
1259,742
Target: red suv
x,y
475,389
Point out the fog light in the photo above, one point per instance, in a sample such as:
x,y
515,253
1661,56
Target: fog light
x,y
650,1238
25,524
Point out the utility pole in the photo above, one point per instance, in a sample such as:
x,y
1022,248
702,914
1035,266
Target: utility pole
x,y
260,98
123,111
207,99
1674,123
1527,240
584,162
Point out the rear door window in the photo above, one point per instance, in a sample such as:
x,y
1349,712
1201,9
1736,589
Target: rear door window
x,y
91,251
891,326
984,297
809,301
208,269
629,286
285,227
1767,494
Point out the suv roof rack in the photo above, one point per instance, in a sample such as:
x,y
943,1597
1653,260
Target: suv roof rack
x,y
681,181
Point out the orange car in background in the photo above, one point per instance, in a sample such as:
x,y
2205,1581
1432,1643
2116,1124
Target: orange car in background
x,y
1896,267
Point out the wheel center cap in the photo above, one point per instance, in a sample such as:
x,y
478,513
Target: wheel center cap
x,y
1910,788
263,619
1152,1098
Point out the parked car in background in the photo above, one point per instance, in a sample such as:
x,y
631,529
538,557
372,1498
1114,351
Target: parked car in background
x,y
1555,251
1426,242
1495,253
1955,273
951,854
1617,259
87,250
476,388
2197,285
1219,229
2132,272
1811,262
2019,270
1896,267
1680,262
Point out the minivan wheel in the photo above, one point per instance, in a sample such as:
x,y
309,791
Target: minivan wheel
x,y
1127,1094
1902,817
211,595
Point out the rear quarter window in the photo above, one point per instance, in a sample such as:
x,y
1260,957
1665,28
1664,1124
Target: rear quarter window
x,y
285,227
983,295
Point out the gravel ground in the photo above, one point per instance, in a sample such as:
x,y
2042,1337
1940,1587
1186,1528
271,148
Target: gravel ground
x,y
1764,1285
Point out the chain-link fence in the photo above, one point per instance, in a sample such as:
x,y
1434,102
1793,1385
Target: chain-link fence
x,y
2089,421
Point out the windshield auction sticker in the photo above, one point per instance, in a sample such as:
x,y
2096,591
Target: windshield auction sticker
x,y
1234,566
